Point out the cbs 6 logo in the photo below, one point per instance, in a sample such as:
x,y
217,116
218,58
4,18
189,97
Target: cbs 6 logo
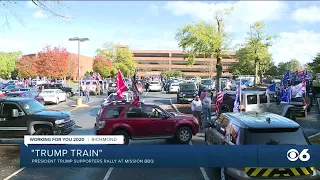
x,y
294,155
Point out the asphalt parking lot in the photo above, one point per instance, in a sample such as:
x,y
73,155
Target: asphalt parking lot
x,y
85,119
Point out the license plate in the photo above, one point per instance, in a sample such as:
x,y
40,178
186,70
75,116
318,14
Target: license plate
x,y
190,99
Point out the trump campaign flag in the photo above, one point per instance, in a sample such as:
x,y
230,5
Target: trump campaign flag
x,y
121,85
299,90
238,97
136,97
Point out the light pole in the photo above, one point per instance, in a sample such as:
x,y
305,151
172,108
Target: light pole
x,y
79,40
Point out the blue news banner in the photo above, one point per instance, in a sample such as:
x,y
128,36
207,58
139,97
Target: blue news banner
x,y
169,156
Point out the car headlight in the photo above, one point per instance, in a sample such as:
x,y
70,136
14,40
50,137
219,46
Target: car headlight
x,y
60,121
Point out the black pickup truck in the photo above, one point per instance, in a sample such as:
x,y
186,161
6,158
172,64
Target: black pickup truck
x,y
24,116
68,90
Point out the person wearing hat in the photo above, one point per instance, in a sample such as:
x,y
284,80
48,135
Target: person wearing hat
x,y
196,108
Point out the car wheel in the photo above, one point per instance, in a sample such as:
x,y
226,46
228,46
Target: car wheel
x,y
43,131
184,135
125,135
291,115
224,108
69,94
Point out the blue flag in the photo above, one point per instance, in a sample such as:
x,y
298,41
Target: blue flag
x,y
286,97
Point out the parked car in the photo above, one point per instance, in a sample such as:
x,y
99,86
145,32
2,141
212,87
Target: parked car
x,y
257,101
155,86
174,88
94,87
68,90
26,94
255,129
187,92
302,102
148,121
27,116
208,84
53,96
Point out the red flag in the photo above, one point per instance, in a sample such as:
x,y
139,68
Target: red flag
x,y
121,86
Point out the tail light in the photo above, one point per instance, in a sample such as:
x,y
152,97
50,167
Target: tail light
x,y
20,95
100,124
304,102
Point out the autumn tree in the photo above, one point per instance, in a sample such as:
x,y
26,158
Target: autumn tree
x,y
53,62
8,63
206,39
26,66
103,66
122,58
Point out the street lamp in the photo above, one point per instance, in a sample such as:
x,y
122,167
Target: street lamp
x,y
79,40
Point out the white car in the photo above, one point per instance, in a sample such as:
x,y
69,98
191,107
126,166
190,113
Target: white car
x,y
53,96
174,87
155,86
127,97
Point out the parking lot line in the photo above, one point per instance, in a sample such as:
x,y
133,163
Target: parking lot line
x,y
106,177
15,173
203,171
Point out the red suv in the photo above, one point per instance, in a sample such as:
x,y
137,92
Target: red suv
x,y
148,121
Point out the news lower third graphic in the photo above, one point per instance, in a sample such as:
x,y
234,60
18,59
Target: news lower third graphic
x,y
93,151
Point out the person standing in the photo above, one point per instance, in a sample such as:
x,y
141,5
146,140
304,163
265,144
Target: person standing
x,y
147,86
206,104
87,93
196,108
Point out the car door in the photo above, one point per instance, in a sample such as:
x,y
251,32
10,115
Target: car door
x,y
137,121
263,103
161,124
62,95
252,103
12,127
217,134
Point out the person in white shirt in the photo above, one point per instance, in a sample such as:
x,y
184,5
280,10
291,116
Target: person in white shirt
x,y
196,107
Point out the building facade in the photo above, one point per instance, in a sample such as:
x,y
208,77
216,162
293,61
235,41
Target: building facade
x,y
153,62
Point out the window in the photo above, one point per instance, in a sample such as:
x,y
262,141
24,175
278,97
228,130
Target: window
x,y
263,99
134,112
7,109
222,124
113,112
252,99
153,112
286,136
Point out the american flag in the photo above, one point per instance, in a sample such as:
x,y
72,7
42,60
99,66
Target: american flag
x,y
218,101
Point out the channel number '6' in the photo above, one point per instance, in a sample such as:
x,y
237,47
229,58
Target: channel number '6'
x,y
294,155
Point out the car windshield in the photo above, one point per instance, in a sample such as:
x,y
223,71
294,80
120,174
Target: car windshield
x,y
207,82
275,137
14,94
154,82
32,106
174,84
88,82
187,87
112,85
10,87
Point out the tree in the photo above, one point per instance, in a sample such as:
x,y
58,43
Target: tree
x,y
206,39
257,46
8,63
102,65
122,58
315,64
44,6
293,65
53,62
26,66
173,74
245,65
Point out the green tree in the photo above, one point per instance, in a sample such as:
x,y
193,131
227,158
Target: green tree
x,y
87,74
315,65
293,65
122,58
245,66
173,74
206,39
8,63
257,45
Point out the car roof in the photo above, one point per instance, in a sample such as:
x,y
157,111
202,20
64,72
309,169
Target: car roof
x,y
254,120
250,92
14,99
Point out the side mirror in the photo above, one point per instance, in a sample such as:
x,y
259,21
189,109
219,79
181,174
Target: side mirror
x,y
15,113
